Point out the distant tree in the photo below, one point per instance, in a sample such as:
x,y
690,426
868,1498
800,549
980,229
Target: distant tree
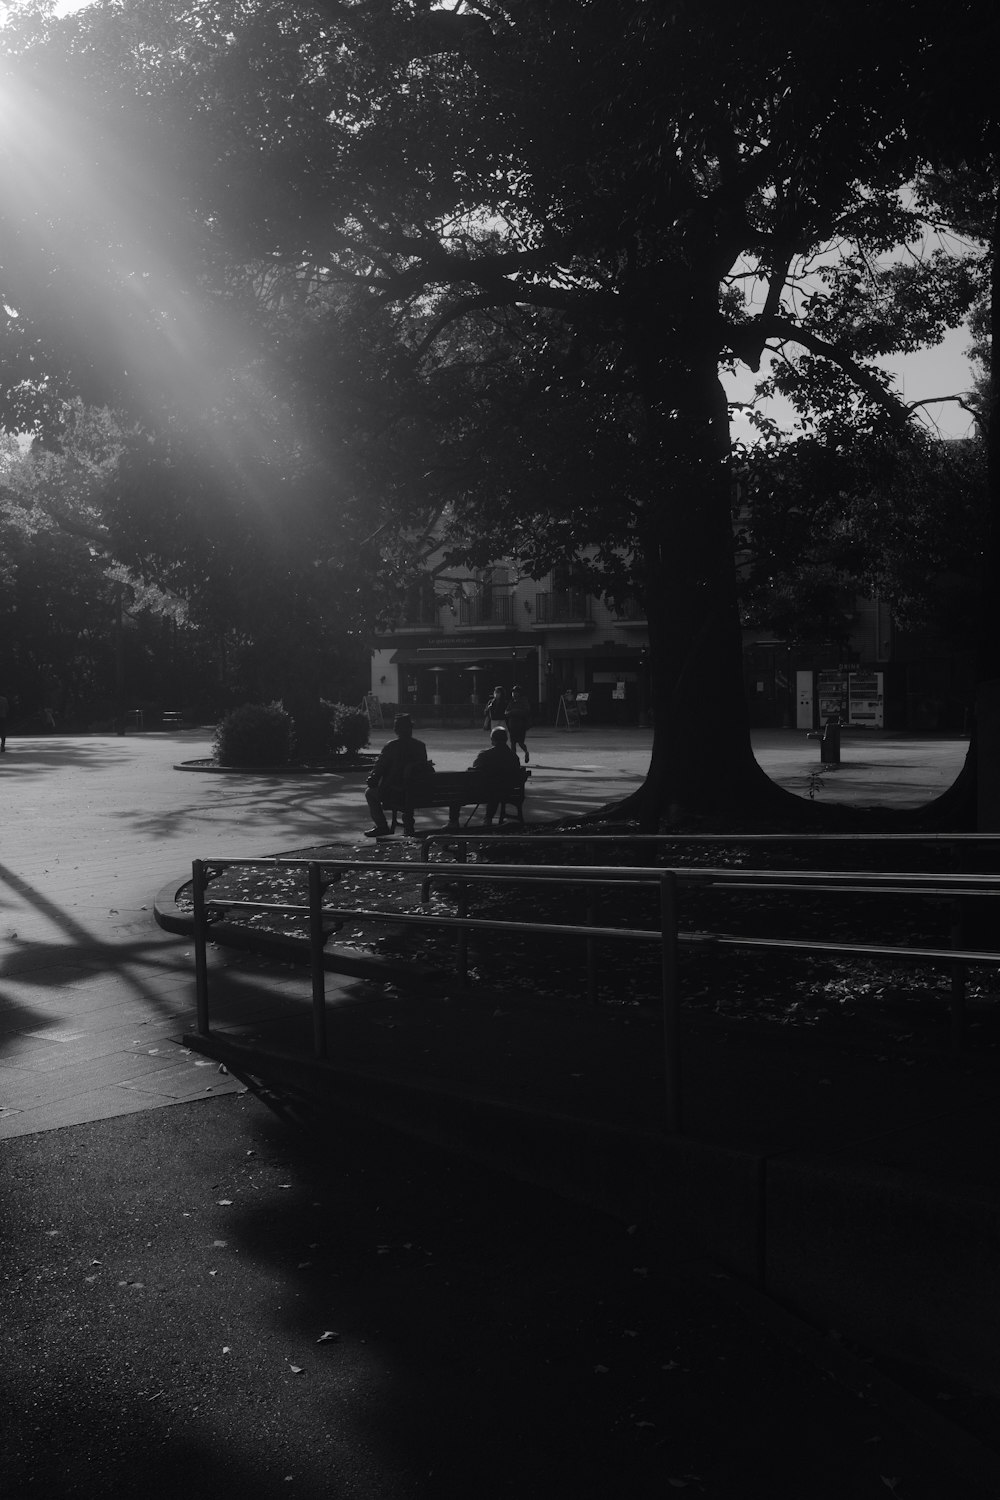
x,y
906,522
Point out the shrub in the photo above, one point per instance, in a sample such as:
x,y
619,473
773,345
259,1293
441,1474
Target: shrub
x,y
255,734
349,729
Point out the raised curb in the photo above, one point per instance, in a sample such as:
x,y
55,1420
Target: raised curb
x,y
204,769
286,949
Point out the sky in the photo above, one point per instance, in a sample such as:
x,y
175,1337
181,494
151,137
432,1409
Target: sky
x,y
942,371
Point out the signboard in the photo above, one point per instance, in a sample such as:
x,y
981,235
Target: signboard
x,y
373,708
865,699
831,689
568,713
618,695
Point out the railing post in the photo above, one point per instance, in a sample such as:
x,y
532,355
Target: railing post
x,y
462,940
316,957
591,946
425,884
671,1004
957,982
198,882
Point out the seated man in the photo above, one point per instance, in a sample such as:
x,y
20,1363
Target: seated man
x,y
399,762
503,773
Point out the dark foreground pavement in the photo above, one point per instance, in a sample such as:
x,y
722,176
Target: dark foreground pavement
x,y
198,1301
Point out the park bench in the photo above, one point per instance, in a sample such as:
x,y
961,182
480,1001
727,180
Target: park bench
x,y
455,789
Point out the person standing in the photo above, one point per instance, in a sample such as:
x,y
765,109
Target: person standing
x,y
518,718
389,783
496,710
4,711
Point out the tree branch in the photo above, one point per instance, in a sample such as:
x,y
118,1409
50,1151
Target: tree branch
x,y
866,381
453,314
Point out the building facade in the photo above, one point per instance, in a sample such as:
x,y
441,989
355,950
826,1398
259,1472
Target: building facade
x,y
455,641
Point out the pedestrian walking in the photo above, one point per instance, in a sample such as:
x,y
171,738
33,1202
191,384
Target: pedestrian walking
x,y
496,711
518,719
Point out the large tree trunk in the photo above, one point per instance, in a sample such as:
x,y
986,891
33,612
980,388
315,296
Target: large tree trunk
x,y
987,725
702,763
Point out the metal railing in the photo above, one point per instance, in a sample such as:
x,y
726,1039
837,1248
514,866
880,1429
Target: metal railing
x,y
319,917
486,608
631,611
668,840
564,607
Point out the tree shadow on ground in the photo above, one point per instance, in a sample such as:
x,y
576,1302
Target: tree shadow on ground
x,y
261,1312
23,761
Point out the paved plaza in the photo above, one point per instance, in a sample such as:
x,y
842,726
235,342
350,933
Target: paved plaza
x,y
94,996
197,1301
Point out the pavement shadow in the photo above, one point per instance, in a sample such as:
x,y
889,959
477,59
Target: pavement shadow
x,y
16,1020
31,962
24,761
316,806
261,1312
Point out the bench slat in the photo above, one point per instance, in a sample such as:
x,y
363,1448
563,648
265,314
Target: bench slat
x,y
455,788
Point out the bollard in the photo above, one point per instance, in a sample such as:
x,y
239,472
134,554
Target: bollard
x,y
829,742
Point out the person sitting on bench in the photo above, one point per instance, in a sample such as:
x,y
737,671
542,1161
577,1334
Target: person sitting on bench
x,y
502,772
400,760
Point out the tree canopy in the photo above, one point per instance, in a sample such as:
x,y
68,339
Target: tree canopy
x,y
489,262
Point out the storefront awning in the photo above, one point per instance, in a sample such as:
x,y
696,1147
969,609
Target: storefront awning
x,y
594,653
458,656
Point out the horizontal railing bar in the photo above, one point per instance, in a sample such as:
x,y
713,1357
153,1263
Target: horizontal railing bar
x,y
635,934
628,874
725,939
621,873
360,914
872,880
862,950
856,890
946,883
446,836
